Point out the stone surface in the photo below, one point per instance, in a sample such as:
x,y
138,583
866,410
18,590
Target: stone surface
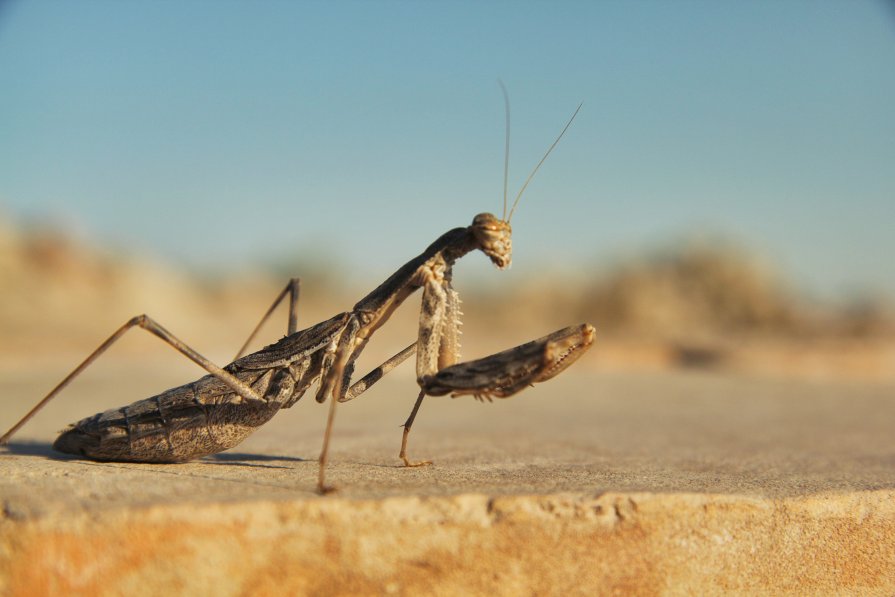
x,y
607,483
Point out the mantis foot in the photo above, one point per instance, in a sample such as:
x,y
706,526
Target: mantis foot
x,y
410,464
326,489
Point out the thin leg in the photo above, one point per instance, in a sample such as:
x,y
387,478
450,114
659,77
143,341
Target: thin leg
x,y
322,487
354,391
148,324
407,425
292,289
332,384
364,384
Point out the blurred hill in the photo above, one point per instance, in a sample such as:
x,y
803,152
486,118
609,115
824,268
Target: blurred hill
x,y
719,290
703,304
59,291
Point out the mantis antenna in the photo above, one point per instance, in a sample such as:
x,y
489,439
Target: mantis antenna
x,y
530,176
506,152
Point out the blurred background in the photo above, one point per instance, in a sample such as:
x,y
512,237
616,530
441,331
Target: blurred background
x,y
724,199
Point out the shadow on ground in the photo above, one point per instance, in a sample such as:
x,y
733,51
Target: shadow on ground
x,y
242,457
44,449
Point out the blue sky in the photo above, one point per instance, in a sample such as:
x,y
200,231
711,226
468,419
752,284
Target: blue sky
x,y
220,133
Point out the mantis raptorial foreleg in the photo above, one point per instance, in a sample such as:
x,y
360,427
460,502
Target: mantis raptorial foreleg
x,y
449,344
432,321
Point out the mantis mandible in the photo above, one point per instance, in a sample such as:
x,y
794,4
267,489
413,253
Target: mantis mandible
x,y
219,410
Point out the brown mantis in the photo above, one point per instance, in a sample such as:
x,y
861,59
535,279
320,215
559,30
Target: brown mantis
x,y
222,408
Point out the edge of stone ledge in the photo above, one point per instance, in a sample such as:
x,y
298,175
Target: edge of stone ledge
x,y
633,543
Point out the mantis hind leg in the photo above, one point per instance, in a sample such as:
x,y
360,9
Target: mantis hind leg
x,y
150,325
292,289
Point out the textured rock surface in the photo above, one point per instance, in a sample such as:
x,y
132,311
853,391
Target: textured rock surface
x,y
626,544
596,483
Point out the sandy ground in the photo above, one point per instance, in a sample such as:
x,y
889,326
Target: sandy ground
x,y
673,482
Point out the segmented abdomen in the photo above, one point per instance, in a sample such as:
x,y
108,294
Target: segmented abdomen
x,y
190,421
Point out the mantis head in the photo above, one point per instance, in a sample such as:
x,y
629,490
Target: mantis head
x,y
494,237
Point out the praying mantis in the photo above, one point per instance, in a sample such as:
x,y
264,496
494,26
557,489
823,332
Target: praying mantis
x,y
219,410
